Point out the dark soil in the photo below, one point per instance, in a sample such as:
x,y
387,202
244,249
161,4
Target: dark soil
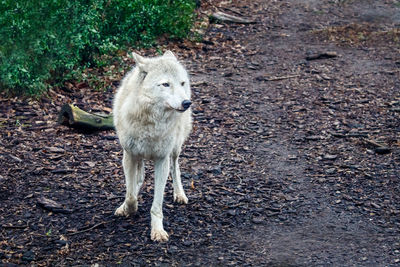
x,y
292,162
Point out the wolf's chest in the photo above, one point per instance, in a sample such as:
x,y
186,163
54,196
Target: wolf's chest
x,y
149,141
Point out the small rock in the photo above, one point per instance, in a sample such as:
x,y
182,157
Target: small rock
x,y
329,157
258,220
232,212
330,171
91,164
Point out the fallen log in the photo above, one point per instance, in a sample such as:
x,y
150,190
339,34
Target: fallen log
x,y
74,117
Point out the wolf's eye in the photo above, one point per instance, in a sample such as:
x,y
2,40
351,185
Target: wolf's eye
x,y
183,83
165,84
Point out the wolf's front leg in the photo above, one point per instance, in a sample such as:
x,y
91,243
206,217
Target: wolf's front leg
x,y
161,170
179,194
132,178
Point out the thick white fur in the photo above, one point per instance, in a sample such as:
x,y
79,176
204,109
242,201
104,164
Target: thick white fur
x,y
151,124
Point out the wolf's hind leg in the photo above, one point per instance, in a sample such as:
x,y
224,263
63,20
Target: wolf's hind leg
x,y
131,171
179,193
140,177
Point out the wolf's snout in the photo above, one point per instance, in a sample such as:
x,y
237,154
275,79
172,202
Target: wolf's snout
x,y
186,104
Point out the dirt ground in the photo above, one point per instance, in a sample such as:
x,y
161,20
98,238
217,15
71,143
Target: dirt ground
x,y
293,160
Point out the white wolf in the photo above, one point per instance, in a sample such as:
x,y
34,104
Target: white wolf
x,y
153,118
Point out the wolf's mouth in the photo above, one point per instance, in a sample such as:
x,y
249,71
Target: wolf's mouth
x,y
179,110
176,109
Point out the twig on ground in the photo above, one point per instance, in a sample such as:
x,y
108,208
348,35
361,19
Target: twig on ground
x,y
14,226
374,143
282,77
231,191
90,228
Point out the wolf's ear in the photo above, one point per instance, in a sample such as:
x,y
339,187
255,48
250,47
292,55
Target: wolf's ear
x,y
139,60
169,54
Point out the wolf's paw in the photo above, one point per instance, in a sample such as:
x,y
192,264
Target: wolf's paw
x,y
180,198
126,209
159,235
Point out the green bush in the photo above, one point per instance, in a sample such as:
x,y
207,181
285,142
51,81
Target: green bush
x,y
46,42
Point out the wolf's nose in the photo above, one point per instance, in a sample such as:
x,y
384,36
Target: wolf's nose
x,y
186,104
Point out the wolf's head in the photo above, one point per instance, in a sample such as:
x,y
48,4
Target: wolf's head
x,y
165,81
